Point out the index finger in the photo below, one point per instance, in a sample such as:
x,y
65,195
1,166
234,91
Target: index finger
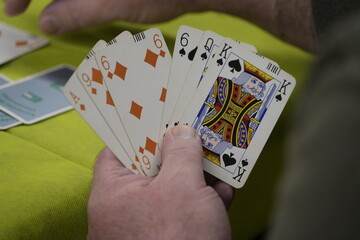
x,y
108,164
15,7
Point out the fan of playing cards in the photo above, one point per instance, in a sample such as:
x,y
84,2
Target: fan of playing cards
x,y
131,90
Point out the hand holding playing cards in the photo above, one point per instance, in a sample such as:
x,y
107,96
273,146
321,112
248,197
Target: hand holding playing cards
x,y
177,204
289,20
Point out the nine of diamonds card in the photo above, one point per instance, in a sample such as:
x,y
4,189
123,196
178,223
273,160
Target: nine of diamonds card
x,y
131,90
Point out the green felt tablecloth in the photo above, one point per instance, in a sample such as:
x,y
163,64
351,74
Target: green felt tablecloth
x,y
46,168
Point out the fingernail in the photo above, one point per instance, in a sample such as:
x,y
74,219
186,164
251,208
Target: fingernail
x,y
184,132
49,24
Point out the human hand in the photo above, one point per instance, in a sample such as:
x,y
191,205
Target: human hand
x,y
176,204
291,20
62,16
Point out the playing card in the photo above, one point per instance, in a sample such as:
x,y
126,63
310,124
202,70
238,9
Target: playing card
x,y
128,90
4,80
234,110
92,80
36,97
136,72
15,42
80,100
6,121
207,47
186,45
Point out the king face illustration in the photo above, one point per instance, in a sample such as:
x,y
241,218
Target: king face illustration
x,y
233,111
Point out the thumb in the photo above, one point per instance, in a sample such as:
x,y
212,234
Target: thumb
x,y
182,158
66,15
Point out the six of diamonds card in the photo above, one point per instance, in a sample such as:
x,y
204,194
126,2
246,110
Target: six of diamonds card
x,y
131,90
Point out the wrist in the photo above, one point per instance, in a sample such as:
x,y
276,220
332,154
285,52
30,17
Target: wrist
x,y
290,20
294,23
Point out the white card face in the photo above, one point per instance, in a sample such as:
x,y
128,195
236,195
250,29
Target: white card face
x,y
136,72
15,42
235,109
92,80
208,44
207,47
38,96
80,100
186,45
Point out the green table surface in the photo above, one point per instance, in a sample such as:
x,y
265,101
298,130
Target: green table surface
x,y
46,168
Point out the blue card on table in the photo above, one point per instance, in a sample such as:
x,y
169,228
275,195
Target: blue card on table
x,y
37,97
6,121
4,80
